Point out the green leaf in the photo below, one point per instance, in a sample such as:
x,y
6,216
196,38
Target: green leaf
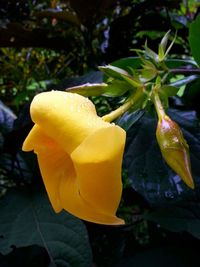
x,y
178,218
28,219
31,256
117,88
192,93
178,63
173,255
114,72
114,88
129,119
168,90
7,118
168,49
134,82
150,53
162,46
127,63
89,89
194,40
164,41
120,74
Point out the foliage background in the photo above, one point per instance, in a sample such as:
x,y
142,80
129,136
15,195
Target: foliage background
x,y
48,45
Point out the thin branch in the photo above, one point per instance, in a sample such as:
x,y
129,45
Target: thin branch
x,y
185,71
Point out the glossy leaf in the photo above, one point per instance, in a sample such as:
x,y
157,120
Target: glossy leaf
x,y
114,72
28,219
89,89
177,63
179,218
127,63
114,88
129,119
194,41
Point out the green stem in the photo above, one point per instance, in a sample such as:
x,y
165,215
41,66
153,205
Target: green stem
x,y
185,71
123,108
158,105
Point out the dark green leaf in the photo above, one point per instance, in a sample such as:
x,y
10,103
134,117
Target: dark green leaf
x,y
135,63
28,219
7,118
192,93
179,218
128,63
178,63
30,256
165,256
194,40
128,119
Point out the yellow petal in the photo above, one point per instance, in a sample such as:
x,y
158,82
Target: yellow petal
x,y
97,162
65,117
51,159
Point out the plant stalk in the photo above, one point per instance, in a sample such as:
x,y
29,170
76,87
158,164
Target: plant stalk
x,y
113,115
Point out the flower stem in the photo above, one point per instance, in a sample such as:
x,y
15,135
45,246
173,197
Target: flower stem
x,y
185,71
123,108
158,105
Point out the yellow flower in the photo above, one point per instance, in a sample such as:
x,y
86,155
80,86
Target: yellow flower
x,y
79,155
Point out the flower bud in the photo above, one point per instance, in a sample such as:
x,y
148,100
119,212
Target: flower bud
x,y
174,148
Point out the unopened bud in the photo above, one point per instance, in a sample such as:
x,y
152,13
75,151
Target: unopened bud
x,y
174,148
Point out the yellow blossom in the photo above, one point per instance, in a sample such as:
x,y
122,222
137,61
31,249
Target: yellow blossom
x,y
79,155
